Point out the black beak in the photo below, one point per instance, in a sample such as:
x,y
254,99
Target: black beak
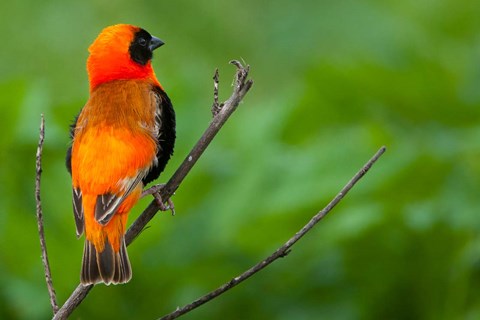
x,y
155,43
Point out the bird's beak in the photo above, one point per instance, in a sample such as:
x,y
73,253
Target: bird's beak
x,y
155,43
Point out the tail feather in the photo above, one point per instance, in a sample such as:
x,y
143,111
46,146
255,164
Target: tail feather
x,y
107,266
106,263
90,273
123,271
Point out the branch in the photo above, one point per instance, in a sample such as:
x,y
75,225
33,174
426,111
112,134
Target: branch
x,y
241,87
283,250
41,233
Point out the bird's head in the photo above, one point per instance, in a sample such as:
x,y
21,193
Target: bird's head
x,y
121,52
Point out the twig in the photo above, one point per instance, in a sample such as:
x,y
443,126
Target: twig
x,y
216,106
41,233
283,250
241,87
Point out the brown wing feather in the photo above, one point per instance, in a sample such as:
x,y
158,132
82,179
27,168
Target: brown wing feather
x,y
78,211
108,203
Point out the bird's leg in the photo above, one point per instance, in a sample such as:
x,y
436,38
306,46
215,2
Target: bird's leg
x,y
155,192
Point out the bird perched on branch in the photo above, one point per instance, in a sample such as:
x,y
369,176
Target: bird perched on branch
x,y
121,140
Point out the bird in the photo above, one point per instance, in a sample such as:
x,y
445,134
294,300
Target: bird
x,y
121,140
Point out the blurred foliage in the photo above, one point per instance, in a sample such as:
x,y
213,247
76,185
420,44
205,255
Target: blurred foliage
x,y
334,80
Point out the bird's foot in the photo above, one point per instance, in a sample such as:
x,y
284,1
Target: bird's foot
x,y
155,192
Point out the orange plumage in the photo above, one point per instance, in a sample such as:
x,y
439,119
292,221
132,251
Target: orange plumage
x,y
121,140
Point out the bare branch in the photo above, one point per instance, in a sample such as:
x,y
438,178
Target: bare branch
x,y
216,106
283,250
73,301
41,233
241,87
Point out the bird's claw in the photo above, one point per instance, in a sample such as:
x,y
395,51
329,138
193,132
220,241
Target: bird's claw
x,y
155,192
170,206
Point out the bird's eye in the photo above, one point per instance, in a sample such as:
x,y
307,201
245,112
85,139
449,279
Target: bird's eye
x,y
142,42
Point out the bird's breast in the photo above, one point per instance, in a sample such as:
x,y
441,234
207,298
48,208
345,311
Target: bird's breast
x,y
122,103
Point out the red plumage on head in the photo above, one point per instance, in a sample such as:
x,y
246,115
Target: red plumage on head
x,y
110,59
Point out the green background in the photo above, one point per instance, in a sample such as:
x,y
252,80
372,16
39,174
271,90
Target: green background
x,y
334,81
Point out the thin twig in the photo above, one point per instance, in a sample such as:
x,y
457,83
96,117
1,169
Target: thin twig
x,y
216,106
283,250
241,86
41,233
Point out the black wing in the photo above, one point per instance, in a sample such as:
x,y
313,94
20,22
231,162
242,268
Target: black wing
x,y
68,158
76,193
165,120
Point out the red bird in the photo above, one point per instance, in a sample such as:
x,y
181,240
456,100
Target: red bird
x,y
121,140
